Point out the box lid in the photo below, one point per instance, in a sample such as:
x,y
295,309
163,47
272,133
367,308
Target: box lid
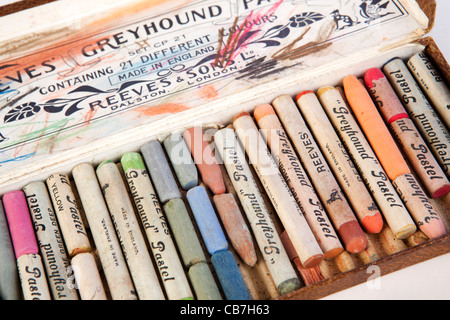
x,y
78,82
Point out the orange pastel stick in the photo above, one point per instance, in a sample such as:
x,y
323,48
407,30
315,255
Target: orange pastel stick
x,y
236,228
415,199
373,126
204,159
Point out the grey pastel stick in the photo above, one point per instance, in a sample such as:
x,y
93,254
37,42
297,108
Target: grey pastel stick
x,y
160,171
128,230
110,253
9,277
181,160
50,241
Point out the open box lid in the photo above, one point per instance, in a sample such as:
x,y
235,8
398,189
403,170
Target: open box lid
x,y
95,79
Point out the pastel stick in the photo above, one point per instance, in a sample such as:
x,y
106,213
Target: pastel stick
x,y
203,282
298,181
128,229
406,134
276,187
432,83
384,193
184,233
50,241
390,157
34,284
69,217
181,160
340,162
252,202
206,219
113,262
229,276
423,114
160,171
87,276
20,224
327,188
9,278
236,227
156,229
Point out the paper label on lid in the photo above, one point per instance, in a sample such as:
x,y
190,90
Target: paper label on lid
x,y
87,89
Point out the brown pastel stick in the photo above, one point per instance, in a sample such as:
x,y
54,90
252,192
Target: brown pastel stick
x,y
406,134
345,262
340,162
282,199
329,191
203,156
236,228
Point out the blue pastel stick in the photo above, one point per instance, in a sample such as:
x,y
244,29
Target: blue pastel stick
x,y
229,276
206,219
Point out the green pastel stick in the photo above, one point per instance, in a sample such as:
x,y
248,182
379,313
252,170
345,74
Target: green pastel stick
x,y
184,233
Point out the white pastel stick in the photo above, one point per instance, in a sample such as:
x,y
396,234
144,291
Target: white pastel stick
x,y
50,241
87,277
115,268
128,231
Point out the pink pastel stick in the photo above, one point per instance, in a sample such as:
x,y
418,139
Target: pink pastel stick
x,y
20,225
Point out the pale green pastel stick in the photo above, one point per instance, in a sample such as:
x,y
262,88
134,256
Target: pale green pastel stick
x,y
203,282
184,233
156,229
181,160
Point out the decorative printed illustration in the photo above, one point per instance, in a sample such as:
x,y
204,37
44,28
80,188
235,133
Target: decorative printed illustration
x,y
73,93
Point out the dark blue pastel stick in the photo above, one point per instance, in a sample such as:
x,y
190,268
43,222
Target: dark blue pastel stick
x,y
206,220
229,276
